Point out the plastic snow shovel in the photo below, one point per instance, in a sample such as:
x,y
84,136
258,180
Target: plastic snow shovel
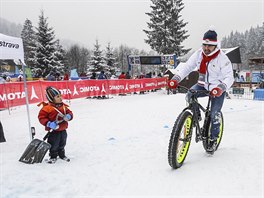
x,y
36,150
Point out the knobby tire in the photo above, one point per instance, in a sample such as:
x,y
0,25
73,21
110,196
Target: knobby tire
x,y
179,143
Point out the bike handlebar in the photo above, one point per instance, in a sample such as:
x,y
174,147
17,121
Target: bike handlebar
x,y
193,90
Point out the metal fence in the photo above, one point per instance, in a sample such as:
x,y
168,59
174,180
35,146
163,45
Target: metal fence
x,y
241,93
243,90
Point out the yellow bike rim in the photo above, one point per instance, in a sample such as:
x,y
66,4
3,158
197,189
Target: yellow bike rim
x,y
182,146
220,131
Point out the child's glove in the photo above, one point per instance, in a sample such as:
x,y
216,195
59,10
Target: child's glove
x,y
53,125
67,117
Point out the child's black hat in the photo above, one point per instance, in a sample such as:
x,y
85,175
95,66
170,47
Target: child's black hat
x,y
51,92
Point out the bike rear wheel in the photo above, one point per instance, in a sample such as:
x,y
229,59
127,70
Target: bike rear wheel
x,y
180,140
220,134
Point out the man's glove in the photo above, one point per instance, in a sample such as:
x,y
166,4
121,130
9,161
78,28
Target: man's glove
x,y
216,92
53,125
172,84
67,117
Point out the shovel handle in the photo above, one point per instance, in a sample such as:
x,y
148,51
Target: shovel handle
x,y
33,132
47,135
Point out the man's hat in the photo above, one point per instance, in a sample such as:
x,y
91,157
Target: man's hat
x,y
210,37
51,92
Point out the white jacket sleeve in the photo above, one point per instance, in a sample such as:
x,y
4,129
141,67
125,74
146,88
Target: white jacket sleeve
x,y
183,70
227,72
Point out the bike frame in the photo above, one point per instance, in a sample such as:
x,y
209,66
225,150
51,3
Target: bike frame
x,y
195,122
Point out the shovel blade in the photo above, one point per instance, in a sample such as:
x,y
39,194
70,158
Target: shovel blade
x,y
35,152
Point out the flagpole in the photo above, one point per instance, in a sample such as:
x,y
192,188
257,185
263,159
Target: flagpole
x,y
27,101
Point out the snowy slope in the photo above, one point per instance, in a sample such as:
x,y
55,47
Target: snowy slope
x,y
119,148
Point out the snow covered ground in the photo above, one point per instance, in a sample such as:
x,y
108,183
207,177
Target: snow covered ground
x,y
118,148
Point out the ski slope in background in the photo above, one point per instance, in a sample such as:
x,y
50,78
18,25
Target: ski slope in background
x,y
118,148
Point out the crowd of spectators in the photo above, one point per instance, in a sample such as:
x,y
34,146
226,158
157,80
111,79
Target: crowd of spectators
x,y
55,76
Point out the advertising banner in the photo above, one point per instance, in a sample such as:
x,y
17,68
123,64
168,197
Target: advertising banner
x,y
12,94
11,48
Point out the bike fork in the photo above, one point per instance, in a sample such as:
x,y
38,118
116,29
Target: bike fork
x,y
198,136
195,123
205,128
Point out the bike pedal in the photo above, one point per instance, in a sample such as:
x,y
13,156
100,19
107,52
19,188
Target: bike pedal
x,y
197,139
204,138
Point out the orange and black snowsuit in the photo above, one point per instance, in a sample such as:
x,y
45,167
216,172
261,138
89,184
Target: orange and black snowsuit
x,y
54,112
57,138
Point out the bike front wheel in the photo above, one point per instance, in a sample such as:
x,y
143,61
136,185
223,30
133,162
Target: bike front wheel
x,y
180,140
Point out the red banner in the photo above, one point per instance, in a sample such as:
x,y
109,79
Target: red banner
x,y
13,94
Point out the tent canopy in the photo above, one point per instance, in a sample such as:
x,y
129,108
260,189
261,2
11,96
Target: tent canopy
x,y
233,54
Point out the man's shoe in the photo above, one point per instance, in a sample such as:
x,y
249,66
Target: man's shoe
x,y
212,144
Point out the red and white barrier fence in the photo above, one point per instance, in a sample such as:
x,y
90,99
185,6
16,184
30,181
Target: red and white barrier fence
x,y
13,94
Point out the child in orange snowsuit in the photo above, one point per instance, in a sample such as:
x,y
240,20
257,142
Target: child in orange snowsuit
x,y
55,115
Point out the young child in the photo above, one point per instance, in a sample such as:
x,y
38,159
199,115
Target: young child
x,y
55,115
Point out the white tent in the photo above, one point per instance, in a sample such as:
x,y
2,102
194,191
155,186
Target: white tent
x,y
12,48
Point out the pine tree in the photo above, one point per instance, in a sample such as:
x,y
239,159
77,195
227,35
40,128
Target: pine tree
x,y
251,43
28,36
73,57
59,58
77,58
109,59
97,59
166,32
260,39
9,28
121,54
242,45
84,59
45,48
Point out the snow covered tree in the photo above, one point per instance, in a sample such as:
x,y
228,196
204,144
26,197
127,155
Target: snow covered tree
x,y
260,40
251,43
166,32
77,58
109,59
10,28
97,60
73,57
28,36
59,58
121,54
84,59
45,48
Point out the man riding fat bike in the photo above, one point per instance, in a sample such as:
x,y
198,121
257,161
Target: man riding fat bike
x,y
215,76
